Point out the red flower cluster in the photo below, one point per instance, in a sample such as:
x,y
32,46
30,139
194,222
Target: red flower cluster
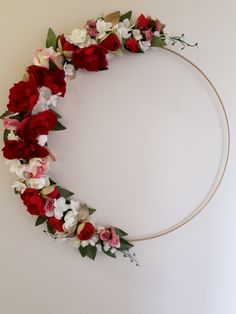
x,y
33,126
92,58
23,150
65,45
110,43
34,202
23,96
57,225
53,79
131,44
143,23
87,232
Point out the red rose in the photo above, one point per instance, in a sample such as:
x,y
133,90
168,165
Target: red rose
x,y
55,224
40,124
85,231
111,43
23,150
143,23
131,44
92,58
53,79
23,96
54,194
65,45
34,202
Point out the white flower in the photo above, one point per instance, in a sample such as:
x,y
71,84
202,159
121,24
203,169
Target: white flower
x,y
19,186
18,168
12,136
38,166
91,241
69,70
72,217
137,34
80,38
124,29
60,207
45,100
157,34
113,250
103,27
38,183
106,247
144,45
42,140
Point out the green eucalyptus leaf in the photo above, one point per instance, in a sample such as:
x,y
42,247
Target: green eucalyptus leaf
x,y
51,39
125,245
120,232
40,220
109,253
127,15
59,127
158,42
6,114
91,211
91,251
5,135
83,251
64,192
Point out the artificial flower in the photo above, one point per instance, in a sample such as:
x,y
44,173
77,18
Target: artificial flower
x,y
66,46
23,96
85,231
34,202
37,167
42,140
144,45
91,26
18,168
10,123
19,187
124,29
80,38
148,34
143,23
45,100
60,207
40,124
23,150
103,27
56,224
49,207
72,217
69,70
92,58
111,42
12,136
38,183
131,44
41,58
54,79
137,34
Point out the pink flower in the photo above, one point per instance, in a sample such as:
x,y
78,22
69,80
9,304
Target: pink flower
x,y
92,28
10,124
38,167
41,58
115,240
104,235
148,35
49,207
158,25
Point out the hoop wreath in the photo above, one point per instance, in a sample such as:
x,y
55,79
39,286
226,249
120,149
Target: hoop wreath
x,y
31,116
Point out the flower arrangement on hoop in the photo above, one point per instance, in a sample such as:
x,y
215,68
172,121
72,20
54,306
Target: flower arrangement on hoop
x,y
31,115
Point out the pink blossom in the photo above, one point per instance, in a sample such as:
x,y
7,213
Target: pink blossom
x,y
148,35
104,235
49,207
158,25
91,26
41,58
91,23
114,241
40,168
10,124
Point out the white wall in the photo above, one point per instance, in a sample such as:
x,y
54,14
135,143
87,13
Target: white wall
x,y
144,159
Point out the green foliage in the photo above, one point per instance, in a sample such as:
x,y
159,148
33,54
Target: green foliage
x,y
64,192
51,39
5,135
127,15
120,232
125,245
59,127
89,251
6,114
40,220
158,42
91,211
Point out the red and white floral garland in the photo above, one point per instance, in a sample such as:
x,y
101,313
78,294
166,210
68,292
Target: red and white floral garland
x,y
30,116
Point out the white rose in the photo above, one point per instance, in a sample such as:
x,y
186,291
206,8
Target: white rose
x,y
38,184
137,34
19,186
60,207
80,38
144,45
103,27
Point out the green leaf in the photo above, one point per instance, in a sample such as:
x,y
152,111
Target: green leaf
x,y
50,228
52,182
110,254
125,245
40,220
5,134
158,42
120,232
127,15
59,127
57,114
91,251
6,114
64,192
91,211
51,39
83,251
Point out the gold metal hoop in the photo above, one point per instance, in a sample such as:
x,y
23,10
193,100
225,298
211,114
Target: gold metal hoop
x,y
220,175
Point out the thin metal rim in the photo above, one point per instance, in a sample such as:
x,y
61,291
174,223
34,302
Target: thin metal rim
x,y
220,175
